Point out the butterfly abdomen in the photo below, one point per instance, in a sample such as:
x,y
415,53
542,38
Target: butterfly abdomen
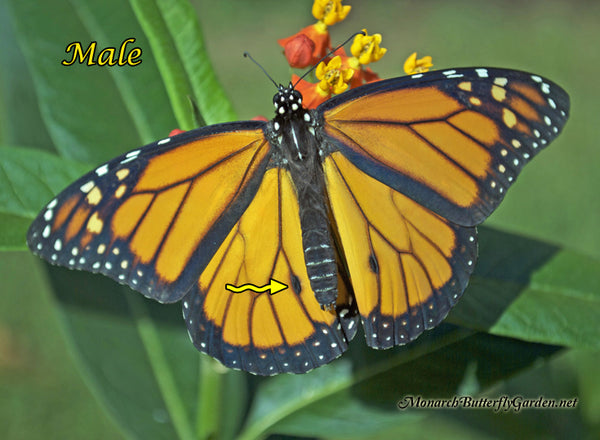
x,y
319,254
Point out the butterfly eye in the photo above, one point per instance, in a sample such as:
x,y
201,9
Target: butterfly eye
x,y
297,96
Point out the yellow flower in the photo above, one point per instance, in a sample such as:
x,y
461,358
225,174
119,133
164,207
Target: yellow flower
x,y
330,11
333,78
366,48
413,65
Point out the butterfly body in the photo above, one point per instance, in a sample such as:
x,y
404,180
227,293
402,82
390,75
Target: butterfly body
x,y
293,136
365,207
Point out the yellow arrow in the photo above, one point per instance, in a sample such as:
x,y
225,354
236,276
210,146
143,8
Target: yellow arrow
x,y
273,287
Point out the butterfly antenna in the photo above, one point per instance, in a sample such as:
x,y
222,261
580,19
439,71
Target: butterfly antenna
x,y
328,55
247,55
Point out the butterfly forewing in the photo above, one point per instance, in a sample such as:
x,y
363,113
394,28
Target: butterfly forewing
x,y
453,141
151,218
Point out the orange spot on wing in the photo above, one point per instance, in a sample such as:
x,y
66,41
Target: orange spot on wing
x,y
524,108
85,240
128,215
236,323
76,222
266,333
462,149
528,91
476,125
523,127
157,219
64,210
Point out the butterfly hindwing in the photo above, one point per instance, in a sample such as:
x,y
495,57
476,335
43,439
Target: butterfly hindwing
x,y
152,217
408,266
256,331
453,141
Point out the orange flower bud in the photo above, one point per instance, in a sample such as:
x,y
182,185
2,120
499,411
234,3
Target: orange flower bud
x,y
315,33
299,51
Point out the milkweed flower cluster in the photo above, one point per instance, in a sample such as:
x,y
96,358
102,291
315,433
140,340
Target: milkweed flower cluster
x,y
337,73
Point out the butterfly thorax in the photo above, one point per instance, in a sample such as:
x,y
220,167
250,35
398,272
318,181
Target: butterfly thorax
x,y
297,149
294,126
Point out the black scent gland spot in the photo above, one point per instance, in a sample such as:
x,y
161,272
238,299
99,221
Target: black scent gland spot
x,y
373,264
296,284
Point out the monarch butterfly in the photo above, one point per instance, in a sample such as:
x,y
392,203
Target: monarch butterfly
x,y
365,208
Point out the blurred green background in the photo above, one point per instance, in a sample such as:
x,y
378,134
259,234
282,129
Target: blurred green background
x,y
42,392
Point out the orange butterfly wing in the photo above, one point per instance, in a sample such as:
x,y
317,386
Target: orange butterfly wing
x,y
153,217
255,331
453,141
415,164
408,266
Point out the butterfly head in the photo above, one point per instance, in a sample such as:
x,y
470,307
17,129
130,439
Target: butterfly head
x,y
287,101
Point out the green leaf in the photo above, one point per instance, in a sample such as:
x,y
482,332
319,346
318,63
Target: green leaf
x,y
28,180
527,289
20,119
177,42
92,113
13,230
357,396
168,62
138,356
129,353
42,395
585,362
